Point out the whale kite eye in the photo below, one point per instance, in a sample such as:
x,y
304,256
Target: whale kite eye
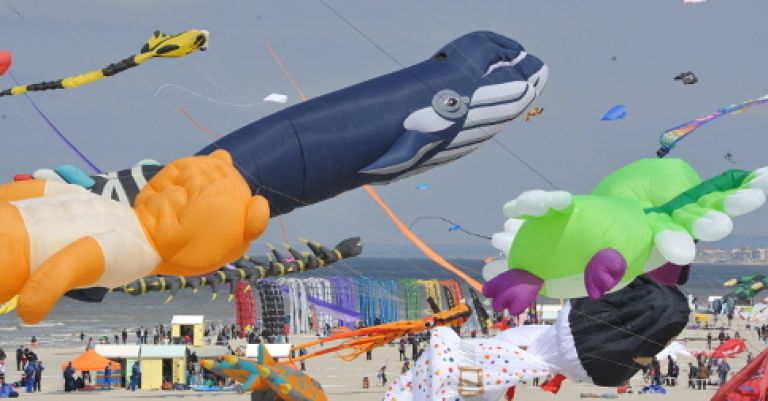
x,y
449,104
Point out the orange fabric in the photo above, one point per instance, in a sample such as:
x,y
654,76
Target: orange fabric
x,y
419,243
14,251
199,214
22,190
77,265
365,339
89,361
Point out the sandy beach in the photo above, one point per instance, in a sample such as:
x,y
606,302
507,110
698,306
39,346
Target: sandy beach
x,y
342,381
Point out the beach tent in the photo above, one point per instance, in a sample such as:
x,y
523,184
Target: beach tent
x,y
188,326
161,363
88,361
92,361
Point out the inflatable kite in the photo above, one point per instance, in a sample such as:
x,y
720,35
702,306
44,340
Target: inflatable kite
x,y
362,340
248,269
748,384
266,378
603,342
6,59
688,78
380,130
672,136
159,45
642,218
196,214
615,113
745,288
533,113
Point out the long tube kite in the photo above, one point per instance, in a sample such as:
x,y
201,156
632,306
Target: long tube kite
x,y
672,136
159,45
362,340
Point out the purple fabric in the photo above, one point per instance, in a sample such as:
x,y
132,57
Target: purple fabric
x,y
345,297
513,290
667,274
333,310
57,131
603,272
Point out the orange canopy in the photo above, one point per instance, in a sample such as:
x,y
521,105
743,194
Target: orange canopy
x,y
88,361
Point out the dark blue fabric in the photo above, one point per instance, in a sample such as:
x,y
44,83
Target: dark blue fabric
x,y
316,149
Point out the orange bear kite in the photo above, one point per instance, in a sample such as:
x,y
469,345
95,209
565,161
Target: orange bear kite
x,y
195,215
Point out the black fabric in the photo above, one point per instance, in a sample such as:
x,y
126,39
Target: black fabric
x,y
636,321
93,294
482,314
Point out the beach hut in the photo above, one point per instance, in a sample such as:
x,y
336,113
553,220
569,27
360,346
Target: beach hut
x,y
278,351
92,361
162,363
125,355
188,326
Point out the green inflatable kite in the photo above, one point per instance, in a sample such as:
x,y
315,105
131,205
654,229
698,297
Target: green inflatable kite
x,y
643,218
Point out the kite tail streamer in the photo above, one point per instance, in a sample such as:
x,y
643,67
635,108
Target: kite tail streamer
x,y
419,243
58,132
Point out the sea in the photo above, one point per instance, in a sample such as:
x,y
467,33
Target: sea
x,y
64,324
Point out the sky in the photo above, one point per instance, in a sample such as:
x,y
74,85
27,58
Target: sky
x,y
600,53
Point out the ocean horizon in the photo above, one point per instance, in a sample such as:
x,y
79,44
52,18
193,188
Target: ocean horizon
x,y
118,311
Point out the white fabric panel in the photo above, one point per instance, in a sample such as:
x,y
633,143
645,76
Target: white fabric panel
x,y
557,347
69,212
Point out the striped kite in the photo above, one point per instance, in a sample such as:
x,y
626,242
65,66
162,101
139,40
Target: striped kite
x,y
159,45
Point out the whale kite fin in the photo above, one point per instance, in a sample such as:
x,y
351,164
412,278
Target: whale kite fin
x,y
407,150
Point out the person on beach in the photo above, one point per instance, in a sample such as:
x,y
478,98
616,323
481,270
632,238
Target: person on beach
x,y
6,390
703,377
39,375
303,352
19,357
69,377
108,376
135,376
82,337
401,349
693,374
383,375
33,342
709,341
722,371
29,371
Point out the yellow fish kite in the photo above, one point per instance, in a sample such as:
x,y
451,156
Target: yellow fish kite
x,y
159,45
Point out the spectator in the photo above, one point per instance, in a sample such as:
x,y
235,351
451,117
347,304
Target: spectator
x,y
39,375
135,376
108,375
69,377
703,377
19,357
709,341
722,372
6,390
693,375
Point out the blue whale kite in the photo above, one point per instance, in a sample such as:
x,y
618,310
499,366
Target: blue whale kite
x,y
377,131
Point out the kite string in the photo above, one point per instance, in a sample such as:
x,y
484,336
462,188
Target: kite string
x,y
458,226
223,103
57,131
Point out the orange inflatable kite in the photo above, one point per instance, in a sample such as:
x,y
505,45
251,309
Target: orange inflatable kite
x,y
195,215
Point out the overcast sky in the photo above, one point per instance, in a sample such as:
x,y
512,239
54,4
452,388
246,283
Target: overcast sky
x,y
118,121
